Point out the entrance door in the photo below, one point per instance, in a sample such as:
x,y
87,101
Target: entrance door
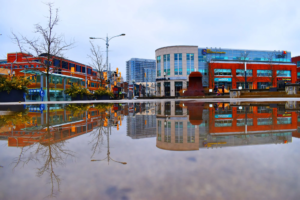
x,y
167,89
178,87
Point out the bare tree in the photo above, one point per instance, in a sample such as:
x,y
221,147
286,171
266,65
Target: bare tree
x,y
49,46
96,60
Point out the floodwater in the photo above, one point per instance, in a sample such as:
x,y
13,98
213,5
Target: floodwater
x,y
153,150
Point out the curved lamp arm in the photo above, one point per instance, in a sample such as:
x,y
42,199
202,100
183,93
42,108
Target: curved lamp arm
x,y
123,34
97,38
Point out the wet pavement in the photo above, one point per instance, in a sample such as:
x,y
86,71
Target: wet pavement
x,y
151,150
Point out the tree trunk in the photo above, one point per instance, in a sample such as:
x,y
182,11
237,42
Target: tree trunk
x,y
48,86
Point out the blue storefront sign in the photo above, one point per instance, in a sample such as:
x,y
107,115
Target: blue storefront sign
x,y
204,51
222,79
42,93
42,107
223,116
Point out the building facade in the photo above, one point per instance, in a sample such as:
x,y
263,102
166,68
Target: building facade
x,y
220,66
63,73
140,70
296,60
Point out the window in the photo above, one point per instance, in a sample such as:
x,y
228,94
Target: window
x,y
167,132
203,71
159,131
284,120
158,88
241,72
178,132
56,63
37,66
167,64
189,63
78,68
201,58
222,72
264,109
178,108
65,65
298,63
241,122
264,73
284,73
178,63
93,85
89,71
190,133
263,85
15,66
83,69
298,74
31,66
26,66
264,121
46,62
20,66
223,123
158,66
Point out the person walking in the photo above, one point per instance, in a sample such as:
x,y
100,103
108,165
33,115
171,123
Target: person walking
x,y
215,89
223,89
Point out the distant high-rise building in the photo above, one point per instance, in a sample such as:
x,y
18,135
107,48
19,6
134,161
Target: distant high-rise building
x,y
140,70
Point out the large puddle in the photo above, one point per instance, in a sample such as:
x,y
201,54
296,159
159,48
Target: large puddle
x,y
155,150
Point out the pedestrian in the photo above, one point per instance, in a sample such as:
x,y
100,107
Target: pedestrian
x,y
215,89
223,88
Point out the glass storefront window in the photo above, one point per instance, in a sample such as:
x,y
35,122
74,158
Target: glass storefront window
x,y
241,72
178,88
167,88
283,73
222,72
227,86
242,122
263,85
284,120
264,73
242,84
264,121
298,63
167,108
298,75
223,123
178,108
190,133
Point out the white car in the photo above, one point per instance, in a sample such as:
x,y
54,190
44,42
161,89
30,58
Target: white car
x,y
134,98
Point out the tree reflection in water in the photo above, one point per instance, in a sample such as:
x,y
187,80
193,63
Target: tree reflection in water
x,y
49,153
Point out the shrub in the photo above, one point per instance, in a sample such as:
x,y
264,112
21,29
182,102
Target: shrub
x,y
75,90
102,91
13,83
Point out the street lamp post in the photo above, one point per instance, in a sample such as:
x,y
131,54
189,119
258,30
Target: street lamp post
x,y
107,44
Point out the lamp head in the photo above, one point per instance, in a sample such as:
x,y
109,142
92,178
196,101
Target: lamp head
x,y
92,38
123,34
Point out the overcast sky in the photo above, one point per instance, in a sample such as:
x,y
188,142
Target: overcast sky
x,y
151,24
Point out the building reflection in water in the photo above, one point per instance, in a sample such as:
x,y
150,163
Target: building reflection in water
x,y
141,120
40,131
185,126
